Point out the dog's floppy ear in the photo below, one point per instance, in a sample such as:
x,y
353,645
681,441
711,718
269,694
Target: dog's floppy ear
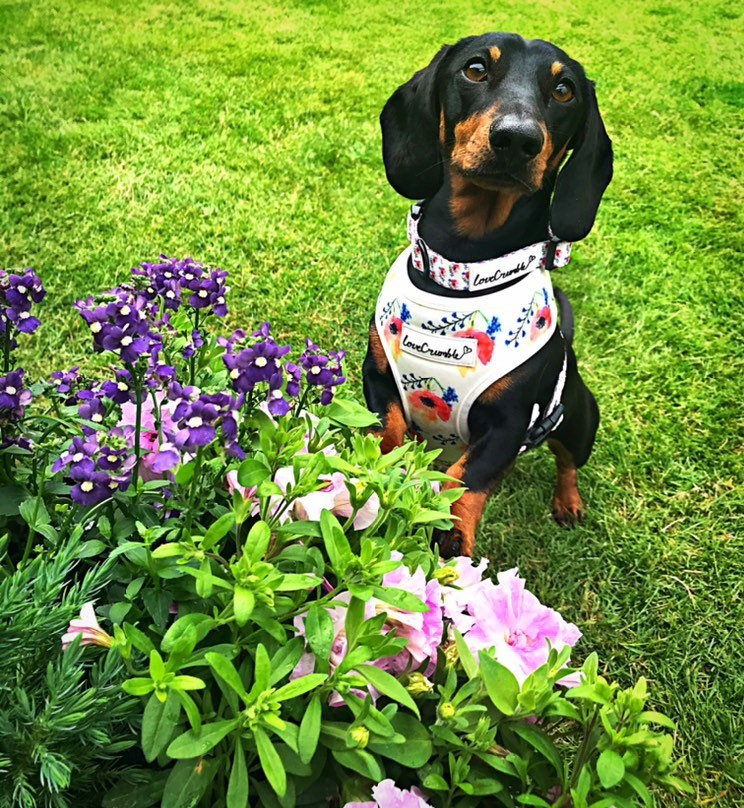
x,y
582,181
410,127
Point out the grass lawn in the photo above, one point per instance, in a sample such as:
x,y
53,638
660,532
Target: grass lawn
x,y
245,134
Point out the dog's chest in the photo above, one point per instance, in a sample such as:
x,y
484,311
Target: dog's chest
x,y
445,351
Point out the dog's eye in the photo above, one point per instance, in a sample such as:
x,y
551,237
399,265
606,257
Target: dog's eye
x,y
563,91
475,70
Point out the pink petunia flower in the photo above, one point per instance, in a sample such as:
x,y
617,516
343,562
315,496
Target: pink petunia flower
x,y
421,630
87,625
461,585
512,620
157,457
335,498
387,795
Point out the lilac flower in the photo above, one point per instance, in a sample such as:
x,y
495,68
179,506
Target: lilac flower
x,y
255,364
14,398
121,389
197,421
323,370
18,293
65,384
97,472
513,622
121,325
92,409
294,377
387,795
173,281
197,341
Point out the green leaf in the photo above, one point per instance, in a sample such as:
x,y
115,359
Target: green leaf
x,y
262,671
538,739
244,602
187,683
354,619
218,530
185,473
252,472
192,744
349,413
237,787
388,685
34,512
227,672
138,638
199,624
610,768
501,684
400,599
157,666
310,729
271,763
139,686
89,548
469,665
651,717
533,799
188,782
418,747
299,686
292,582
320,633
336,544
640,789
158,722
170,549
360,761
435,782
285,659
257,541
190,708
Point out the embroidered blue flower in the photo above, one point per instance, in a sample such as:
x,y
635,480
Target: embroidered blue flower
x,y
493,327
450,396
405,313
545,295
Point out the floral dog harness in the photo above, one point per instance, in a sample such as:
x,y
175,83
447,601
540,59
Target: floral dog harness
x,y
444,352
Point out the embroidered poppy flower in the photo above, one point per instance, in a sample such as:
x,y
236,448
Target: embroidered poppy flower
x,y
542,322
394,334
485,343
430,406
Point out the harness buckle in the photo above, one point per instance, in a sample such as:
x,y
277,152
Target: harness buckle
x,y
539,433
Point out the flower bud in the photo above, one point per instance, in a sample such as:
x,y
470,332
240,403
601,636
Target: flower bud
x,y
418,684
451,655
359,736
447,710
447,575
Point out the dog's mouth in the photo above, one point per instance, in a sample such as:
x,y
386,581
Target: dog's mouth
x,y
493,179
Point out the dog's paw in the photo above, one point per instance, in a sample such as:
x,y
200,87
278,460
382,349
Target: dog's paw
x,y
452,543
569,512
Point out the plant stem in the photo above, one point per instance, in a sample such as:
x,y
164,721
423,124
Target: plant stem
x,y
6,346
137,423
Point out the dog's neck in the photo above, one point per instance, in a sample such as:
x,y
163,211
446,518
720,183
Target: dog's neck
x,y
465,223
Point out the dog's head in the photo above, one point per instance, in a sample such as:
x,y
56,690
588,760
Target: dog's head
x,y
499,114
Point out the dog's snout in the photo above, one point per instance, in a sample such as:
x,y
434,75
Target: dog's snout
x,y
516,139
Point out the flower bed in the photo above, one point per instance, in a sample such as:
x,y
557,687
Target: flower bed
x,y
278,630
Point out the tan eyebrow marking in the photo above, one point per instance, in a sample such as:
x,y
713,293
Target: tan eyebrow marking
x,y
556,68
495,53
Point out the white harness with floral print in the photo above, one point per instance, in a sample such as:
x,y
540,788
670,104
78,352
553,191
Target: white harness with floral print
x,y
444,352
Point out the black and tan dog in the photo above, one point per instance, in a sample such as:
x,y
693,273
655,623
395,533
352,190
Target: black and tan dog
x,y
481,134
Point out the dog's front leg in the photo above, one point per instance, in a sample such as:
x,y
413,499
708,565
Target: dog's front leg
x,y
483,466
381,393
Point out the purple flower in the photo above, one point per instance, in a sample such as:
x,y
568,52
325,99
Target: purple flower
x,y
121,389
18,293
197,421
121,324
14,398
65,384
92,409
175,280
97,472
323,370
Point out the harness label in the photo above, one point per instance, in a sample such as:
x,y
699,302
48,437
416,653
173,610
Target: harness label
x,y
435,348
498,276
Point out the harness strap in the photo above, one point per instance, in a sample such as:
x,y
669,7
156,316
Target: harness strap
x,y
540,428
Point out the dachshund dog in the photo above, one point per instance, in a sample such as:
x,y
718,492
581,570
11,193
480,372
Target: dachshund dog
x,y
481,135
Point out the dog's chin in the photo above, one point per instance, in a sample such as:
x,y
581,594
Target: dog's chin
x,y
497,181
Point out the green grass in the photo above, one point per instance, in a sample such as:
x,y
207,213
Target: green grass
x,y
245,134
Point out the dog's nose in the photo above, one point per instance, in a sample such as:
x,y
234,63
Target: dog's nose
x,y
516,139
